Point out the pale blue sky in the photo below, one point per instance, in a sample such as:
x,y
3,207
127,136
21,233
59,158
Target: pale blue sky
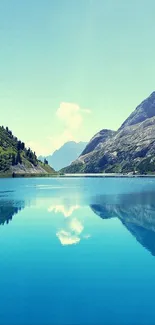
x,y
97,54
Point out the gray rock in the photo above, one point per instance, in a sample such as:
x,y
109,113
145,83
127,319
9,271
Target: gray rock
x,y
97,141
143,111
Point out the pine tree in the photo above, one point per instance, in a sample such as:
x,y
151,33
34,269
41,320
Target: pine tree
x,y
13,159
19,145
18,158
22,146
45,161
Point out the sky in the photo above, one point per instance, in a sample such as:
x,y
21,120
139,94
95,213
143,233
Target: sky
x,y
69,68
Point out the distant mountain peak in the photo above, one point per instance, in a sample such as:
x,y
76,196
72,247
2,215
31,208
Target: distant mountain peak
x,y
63,156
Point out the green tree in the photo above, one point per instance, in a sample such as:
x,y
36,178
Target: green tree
x,y
13,159
19,145
22,146
45,161
18,158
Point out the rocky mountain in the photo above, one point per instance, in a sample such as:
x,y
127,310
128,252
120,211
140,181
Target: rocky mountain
x,y
96,142
130,149
143,111
65,155
15,158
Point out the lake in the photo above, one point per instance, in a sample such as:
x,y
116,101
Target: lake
x,y
77,251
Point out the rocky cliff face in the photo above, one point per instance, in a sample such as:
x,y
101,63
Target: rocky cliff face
x,y
97,141
130,149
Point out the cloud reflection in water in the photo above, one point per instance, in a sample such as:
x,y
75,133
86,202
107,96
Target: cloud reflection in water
x,y
71,233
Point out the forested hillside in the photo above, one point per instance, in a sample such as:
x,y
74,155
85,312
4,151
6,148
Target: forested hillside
x,y
15,157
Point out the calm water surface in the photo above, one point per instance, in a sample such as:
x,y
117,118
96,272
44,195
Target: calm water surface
x,y
77,251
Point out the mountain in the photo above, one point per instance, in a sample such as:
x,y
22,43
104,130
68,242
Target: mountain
x,y
130,149
143,111
16,158
65,155
96,142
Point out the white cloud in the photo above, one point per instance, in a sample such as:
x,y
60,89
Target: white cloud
x,y
71,114
70,117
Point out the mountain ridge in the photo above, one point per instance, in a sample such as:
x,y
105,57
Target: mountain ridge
x,y
129,149
146,109
97,140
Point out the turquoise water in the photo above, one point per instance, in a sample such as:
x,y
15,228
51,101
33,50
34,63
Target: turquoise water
x,y
77,251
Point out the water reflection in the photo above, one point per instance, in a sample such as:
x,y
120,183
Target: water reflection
x,y
8,208
72,229
72,234
65,210
136,212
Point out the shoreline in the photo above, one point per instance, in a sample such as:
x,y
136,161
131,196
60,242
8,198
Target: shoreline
x,y
109,175
80,175
27,175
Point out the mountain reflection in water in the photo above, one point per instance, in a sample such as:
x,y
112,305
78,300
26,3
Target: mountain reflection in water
x,y
8,208
136,212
